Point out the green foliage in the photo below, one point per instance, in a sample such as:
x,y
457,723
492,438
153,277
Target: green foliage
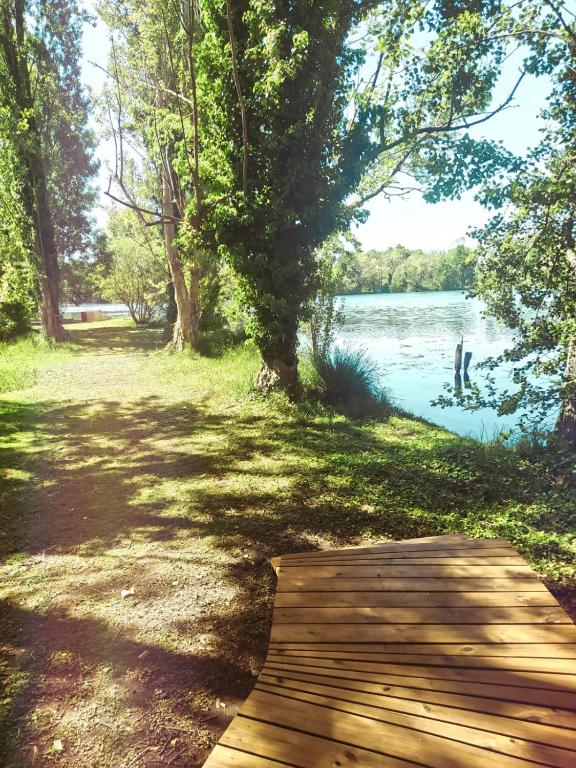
x,y
46,147
348,380
137,274
14,320
526,269
298,136
398,269
325,315
82,272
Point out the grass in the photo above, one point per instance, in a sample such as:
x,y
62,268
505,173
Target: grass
x,y
127,467
20,361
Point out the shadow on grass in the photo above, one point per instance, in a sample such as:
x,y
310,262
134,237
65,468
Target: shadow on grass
x,y
122,338
110,469
84,478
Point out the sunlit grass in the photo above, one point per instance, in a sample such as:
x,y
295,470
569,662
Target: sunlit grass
x,y
125,466
20,360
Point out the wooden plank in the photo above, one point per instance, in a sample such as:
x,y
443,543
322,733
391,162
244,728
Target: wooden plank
x,y
439,652
559,699
450,541
305,750
526,664
472,614
463,700
488,731
514,650
380,561
403,599
545,680
224,757
327,558
424,633
399,741
424,584
404,572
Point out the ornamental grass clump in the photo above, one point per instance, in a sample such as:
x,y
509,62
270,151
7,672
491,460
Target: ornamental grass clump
x,y
348,380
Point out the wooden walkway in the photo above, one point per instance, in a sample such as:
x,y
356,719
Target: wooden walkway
x,y
445,652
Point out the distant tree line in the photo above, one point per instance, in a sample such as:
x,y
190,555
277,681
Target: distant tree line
x,y
398,269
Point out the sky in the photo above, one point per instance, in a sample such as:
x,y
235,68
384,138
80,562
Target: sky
x,y
406,221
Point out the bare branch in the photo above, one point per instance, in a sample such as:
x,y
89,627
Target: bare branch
x,y
449,127
160,217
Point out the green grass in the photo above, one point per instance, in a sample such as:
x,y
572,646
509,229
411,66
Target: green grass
x,y
21,360
125,465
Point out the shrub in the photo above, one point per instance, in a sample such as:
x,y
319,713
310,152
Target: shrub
x,y
349,380
215,342
14,320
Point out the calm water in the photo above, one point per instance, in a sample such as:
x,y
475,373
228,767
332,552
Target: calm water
x,y
112,310
413,337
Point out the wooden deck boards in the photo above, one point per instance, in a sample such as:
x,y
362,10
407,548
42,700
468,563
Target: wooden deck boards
x,y
443,652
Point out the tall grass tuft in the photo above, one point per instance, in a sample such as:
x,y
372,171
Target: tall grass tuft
x,y
348,380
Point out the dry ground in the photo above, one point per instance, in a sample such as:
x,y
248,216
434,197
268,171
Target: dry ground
x,y
149,678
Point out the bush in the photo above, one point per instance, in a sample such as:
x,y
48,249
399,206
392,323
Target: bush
x,y
215,342
14,320
349,380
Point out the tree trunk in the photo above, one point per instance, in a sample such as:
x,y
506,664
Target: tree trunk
x,y
45,242
566,424
171,315
279,369
186,327
277,374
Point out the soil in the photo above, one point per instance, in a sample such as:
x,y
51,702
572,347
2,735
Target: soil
x,y
133,639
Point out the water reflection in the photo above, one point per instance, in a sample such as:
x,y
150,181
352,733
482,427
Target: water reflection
x,y
413,337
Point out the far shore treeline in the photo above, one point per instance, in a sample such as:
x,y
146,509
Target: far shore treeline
x,y
392,270
399,270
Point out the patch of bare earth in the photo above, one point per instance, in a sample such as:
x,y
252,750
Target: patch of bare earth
x,y
138,636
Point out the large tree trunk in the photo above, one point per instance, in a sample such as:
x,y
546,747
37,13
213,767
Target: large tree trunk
x,y
566,424
279,369
186,328
45,243
31,156
278,374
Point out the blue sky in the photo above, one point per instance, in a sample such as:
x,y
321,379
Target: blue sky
x,y
407,221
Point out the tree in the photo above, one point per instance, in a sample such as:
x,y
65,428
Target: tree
x,y
46,116
137,275
303,129
526,259
325,314
17,273
162,105
81,271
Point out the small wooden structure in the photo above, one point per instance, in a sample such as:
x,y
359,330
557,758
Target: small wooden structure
x,y
446,652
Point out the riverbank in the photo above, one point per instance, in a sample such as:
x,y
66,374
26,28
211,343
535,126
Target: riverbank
x,y
140,496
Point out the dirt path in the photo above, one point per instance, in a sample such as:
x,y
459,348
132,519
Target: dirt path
x,y
128,626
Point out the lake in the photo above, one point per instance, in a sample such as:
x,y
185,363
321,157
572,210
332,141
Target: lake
x,y
413,338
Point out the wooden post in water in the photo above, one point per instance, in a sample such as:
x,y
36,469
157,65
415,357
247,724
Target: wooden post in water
x,y
467,358
458,356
